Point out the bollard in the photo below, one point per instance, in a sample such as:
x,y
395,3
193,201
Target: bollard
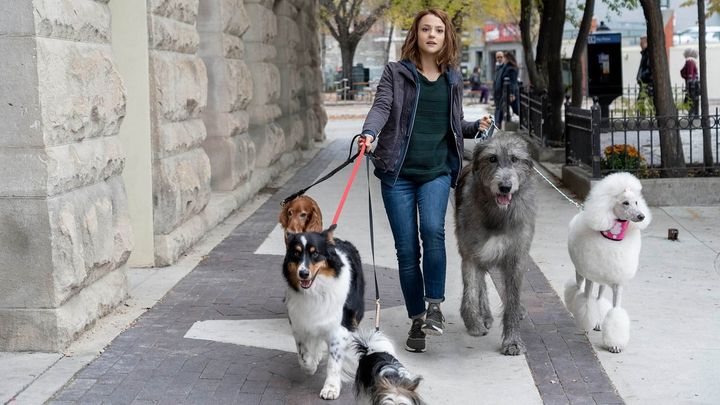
x,y
672,234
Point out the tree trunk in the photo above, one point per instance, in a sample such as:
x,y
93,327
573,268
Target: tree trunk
x,y
705,113
389,43
671,150
526,13
554,18
347,53
578,54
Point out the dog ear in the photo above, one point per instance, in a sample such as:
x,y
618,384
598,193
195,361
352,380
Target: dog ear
x,y
415,382
329,234
314,223
284,217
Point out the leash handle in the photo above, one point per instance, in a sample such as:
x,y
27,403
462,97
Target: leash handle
x,y
356,166
487,133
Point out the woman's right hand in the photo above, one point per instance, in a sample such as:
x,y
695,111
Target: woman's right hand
x,y
367,141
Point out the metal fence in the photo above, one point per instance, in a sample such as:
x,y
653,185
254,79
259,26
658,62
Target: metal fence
x,y
626,142
634,100
534,109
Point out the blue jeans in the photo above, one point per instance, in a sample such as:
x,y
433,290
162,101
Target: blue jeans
x,y
405,203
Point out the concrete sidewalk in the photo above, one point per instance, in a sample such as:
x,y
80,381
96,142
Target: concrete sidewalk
x,y
220,335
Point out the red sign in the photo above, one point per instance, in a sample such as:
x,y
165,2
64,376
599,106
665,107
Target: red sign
x,y
502,33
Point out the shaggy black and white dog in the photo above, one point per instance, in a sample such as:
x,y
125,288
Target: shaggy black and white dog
x,y
380,378
494,225
324,300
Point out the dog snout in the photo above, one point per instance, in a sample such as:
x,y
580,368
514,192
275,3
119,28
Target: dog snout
x,y
505,188
304,274
640,217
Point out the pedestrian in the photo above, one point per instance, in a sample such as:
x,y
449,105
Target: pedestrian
x,y
644,80
505,69
475,82
689,72
511,72
417,120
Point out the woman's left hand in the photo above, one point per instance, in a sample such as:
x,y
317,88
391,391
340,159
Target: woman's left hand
x,y
484,123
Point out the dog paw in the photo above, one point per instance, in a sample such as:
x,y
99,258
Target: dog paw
x,y
615,349
477,331
597,327
513,348
309,367
330,391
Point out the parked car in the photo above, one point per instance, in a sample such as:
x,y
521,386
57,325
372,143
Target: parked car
x,y
691,35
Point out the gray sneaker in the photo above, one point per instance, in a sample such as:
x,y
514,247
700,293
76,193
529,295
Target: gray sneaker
x,y
416,337
434,320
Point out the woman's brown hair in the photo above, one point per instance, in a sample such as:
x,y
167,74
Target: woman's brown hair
x,y
448,55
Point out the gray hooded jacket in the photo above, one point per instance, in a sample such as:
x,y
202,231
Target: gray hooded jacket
x,y
392,115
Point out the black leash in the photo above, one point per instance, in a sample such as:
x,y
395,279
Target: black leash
x,y
372,249
349,160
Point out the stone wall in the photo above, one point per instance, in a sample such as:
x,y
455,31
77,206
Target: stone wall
x,y
64,226
178,93
233,102
222,24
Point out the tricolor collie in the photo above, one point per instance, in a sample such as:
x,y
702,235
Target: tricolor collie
x,y
380,378
324,300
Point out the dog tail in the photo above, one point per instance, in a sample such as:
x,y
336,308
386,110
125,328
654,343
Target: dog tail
x,y
364,342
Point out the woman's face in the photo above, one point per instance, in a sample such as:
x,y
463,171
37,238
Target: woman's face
x,y
431,35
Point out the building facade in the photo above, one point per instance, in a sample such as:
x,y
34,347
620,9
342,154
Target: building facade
x,y
128,129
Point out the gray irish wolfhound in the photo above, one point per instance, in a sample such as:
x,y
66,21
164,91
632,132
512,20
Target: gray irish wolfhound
x,y
494,225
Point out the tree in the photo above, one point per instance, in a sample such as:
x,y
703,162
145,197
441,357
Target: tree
x,y
579,53
707,136
546,67
671,151
347,23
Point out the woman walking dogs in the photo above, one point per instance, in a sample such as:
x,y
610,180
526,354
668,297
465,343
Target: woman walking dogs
x,y
417,120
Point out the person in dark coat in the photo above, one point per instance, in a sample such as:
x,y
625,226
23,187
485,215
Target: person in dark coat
x,y
644,79
506,68
418,121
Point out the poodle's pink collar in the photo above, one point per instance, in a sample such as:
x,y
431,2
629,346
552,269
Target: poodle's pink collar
x,y
617,232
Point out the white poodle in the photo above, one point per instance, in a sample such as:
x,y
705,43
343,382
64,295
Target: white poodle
x,y
604,244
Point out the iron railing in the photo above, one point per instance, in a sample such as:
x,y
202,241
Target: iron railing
x,y
631,142
534,109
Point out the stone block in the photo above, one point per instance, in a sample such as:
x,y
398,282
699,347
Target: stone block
x,y
84,163
266,83
178,137
181,10
81,92
16,18
64,243
178,86
170,35
269,143
53,329
75,20
233,47
20,114
229,158
237,20
226,124
23,172
90,234
258,52
25,259
263,114
264,26
230,84
181,189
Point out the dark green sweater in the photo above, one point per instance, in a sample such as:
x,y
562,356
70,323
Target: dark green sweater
x,y
427,153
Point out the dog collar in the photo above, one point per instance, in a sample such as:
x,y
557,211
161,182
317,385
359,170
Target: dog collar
x,y
617,232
